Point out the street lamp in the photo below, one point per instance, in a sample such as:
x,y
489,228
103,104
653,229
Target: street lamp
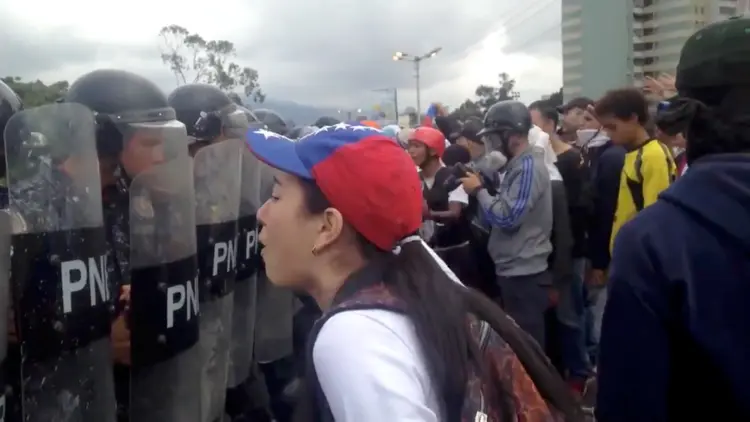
x,y
400,56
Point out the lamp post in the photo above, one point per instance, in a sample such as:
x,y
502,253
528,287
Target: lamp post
x,y
417,60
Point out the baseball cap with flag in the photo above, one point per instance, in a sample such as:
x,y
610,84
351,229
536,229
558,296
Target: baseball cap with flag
x,y
361,172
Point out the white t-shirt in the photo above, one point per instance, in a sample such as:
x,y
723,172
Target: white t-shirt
x,y
371,368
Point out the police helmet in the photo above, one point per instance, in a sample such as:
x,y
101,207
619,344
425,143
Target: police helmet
x,y
507,117
252,120
10,104
301,131
273,120
326,121
123,103
207,112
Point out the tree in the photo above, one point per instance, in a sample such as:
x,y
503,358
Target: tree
x,y
466,110
193,59
36,93
555,99
489,95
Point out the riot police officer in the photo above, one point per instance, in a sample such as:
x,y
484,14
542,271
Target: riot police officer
x,y
10,103
225,214
273,120
148,206
62,301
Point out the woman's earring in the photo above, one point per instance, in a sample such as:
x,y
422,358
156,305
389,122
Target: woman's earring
x,y
315,251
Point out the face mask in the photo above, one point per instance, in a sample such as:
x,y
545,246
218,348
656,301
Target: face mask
x,y
585,136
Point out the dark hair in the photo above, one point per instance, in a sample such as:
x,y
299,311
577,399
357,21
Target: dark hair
x,y
546,110
715,120
455,154
438,308
623,104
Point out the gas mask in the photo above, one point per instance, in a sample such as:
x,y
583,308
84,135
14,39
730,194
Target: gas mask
x,y
497,142
491,163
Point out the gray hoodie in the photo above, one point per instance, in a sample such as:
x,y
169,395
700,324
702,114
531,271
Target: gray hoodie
x,y
520,216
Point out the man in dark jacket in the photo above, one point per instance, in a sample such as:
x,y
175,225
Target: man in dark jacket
x,y
675,341
603,161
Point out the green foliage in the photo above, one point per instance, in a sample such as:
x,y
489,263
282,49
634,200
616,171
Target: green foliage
x,y
194,59
488,95
36,93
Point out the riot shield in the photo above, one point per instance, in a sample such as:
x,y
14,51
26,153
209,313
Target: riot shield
x,y
248,260
217,197
164,306
62,296
276,306
4,302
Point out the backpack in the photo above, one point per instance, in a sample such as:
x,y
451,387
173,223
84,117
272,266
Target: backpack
x,y
524,370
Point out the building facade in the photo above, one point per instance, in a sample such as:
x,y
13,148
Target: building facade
x,y
611,43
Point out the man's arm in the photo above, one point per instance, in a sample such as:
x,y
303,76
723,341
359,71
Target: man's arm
x,y
633,368
509,208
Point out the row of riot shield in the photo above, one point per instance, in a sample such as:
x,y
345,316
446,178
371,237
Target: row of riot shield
x,y
193,308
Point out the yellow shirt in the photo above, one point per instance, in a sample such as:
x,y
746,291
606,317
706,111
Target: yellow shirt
x,y
648,170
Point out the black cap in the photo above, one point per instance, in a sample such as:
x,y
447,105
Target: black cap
x,y
471,130
578,102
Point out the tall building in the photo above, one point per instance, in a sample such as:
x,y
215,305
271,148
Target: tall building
x,y
642,37
596,46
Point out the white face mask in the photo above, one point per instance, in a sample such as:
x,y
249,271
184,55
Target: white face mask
x,y
584,136
491,163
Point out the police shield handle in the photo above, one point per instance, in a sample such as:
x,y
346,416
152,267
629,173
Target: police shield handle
x,y
120,331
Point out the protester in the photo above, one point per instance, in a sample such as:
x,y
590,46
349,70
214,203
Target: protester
x,y
570,307
444,206
573,113
394,343
520,214
603,161
648,168
675,341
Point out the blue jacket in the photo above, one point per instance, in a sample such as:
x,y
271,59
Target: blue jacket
x,y
605,166
675,341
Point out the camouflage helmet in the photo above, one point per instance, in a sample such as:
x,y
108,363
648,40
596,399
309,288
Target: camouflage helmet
x,y
716,55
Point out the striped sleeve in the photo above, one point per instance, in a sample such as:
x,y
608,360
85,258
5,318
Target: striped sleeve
x,y
509,207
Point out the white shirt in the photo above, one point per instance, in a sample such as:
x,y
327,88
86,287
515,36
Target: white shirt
x,y
539,139
371,368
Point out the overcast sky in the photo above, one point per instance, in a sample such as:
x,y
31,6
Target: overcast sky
x,y
318,52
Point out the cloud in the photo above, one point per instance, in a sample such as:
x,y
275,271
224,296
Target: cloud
x,y
322,52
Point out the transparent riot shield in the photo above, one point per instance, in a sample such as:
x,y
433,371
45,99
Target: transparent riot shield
x,y
248,260
5,231
217,197
62,295
276,306
164,306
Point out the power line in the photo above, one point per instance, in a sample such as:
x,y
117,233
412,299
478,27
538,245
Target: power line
x,y
515,21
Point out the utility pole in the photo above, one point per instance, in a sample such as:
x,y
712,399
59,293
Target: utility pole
x,y
398,56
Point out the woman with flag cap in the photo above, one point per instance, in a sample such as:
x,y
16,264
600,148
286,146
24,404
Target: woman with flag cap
x,y
395,342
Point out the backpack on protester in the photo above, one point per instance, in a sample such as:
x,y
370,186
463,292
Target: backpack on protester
x,y
537,393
